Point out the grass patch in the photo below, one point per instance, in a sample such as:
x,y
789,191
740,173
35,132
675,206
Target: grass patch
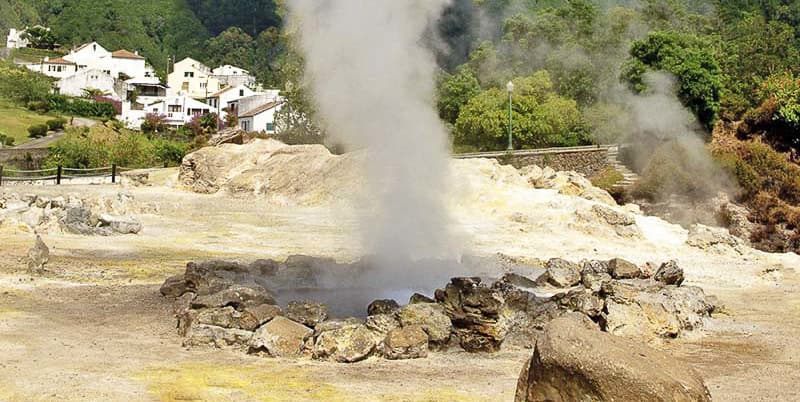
x,y
31,55
15,120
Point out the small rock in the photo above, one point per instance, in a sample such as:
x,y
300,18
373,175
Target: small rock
x,y
307,313
385,306
612,216
417,298
281,337
38,256
670,273
121,224
622,269
406,343
561,273
594,274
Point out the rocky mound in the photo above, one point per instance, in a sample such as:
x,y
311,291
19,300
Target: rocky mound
x,y
91,216
573,361
299,174
229,304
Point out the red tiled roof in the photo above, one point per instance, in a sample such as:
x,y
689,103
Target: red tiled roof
x,y
124,54
261,109
59,60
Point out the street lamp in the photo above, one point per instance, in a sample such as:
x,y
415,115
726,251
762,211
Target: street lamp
x,y
510,89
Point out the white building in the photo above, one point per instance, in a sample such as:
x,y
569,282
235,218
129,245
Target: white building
x,y
77,84
120,64
177,110
14,39
148,90
233,76
257,113
56,68
227,99
193,79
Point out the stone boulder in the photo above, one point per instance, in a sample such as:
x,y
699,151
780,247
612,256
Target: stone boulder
x,y
280,337
210,335
669,273
573,361
431,318
622,269
561,273
38,256
121,224
307,313
237,296
386,306
410,342
475,311
348,344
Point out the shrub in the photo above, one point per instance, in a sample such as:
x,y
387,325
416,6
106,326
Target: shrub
x,y
6,140
81,107
101,146
154,123
37,130
56,124
38,106
170,152
607,179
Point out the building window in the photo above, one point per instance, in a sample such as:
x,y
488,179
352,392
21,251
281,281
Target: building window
x,y
185,86
188,74
174,108
241,92
203,84
270,127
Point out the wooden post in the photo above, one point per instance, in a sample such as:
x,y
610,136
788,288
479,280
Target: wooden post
x,y
58,175
113,173
1,175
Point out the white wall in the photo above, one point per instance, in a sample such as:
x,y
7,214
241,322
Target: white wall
x,y
76,83
14,41
192,78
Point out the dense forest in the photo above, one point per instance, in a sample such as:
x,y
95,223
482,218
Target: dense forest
x,y
585,71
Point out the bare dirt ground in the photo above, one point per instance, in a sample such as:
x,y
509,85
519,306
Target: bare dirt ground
x,y
96,328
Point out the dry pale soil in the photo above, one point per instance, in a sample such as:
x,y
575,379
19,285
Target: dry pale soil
x,y
94,327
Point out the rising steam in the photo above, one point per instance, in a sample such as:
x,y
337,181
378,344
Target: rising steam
x,y
373,80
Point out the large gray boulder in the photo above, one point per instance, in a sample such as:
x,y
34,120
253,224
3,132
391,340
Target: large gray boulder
x,y
281,337
574,361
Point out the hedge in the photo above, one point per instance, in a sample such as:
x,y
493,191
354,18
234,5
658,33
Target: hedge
x,y
81,107
37,130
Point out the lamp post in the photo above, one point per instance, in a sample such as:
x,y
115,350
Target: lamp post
x,y
510,88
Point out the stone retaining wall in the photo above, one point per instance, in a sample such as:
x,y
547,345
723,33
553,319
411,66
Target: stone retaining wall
x,y
585,160
23,158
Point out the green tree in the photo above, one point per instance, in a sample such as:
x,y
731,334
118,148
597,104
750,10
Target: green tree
x,y
232,46
541,117
39,37
455,91
690,60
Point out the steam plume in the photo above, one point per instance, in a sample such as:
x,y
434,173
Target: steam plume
x,y
373,80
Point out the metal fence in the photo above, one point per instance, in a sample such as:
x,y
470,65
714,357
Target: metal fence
x,y
59,175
